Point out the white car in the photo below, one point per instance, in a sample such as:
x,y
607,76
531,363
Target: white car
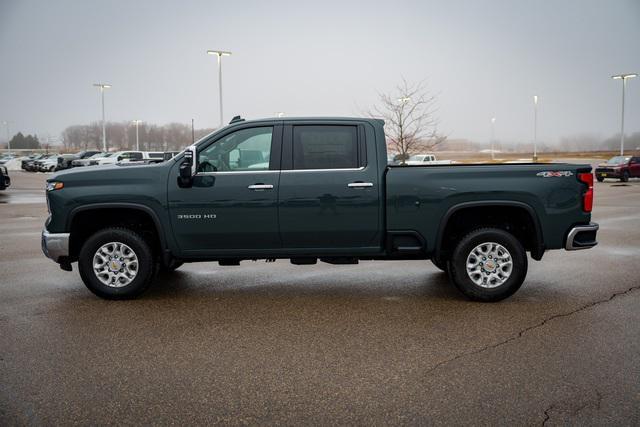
x,y
122,157
49,165
426,159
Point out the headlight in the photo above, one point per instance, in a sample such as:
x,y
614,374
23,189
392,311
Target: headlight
x,y
54,185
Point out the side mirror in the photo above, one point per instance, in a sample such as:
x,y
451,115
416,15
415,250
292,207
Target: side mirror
x,y
119,158
185,180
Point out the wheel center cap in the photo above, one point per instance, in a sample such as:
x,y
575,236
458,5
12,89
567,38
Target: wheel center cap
x,y
115,265
490,265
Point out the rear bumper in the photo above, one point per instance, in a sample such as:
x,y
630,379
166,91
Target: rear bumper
x,y
55,245
582,237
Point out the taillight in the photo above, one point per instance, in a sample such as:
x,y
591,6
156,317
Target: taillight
x,y
587,198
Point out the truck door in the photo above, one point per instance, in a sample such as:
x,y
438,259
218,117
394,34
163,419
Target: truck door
x,y
232,204
329,195
634,167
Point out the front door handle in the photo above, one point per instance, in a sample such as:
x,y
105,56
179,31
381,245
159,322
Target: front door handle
x,y
360,184
260,187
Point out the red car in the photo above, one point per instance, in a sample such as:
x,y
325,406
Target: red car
x,y
619,167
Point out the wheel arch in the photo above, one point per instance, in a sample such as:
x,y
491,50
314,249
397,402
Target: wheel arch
x,y
537,247
122,207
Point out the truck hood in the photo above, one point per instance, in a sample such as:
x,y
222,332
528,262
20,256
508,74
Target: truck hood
x,y
608,165
110,174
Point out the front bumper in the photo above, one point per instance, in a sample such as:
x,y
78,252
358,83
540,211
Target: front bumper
x,y
609,173
55,245
582,237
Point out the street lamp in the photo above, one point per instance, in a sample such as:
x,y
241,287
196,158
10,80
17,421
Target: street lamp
x,y
219,54
102,87
6,126
493,136
624,78
137,122
535,128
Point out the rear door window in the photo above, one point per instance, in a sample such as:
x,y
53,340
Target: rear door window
x,y
325,147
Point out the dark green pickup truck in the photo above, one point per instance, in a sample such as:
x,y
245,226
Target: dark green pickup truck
x,y
312,189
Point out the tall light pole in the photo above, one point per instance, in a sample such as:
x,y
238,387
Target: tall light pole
x,y
6,126
137,122
493,136
535,128
624,78
102,87
219,54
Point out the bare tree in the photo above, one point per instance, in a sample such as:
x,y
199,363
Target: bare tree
x,y
411,125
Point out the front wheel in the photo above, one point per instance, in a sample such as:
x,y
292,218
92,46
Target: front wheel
x,y
116,263
625,177
600,178
488,264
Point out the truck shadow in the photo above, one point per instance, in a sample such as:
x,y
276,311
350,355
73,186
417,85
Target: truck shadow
x,y
186,284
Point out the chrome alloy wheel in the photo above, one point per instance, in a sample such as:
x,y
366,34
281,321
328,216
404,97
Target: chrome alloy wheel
x,y
115,264
489,265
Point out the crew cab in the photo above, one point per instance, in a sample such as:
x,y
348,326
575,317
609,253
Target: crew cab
x,y
312,189
619,167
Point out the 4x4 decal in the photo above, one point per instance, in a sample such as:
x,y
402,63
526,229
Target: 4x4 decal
x,y
550,174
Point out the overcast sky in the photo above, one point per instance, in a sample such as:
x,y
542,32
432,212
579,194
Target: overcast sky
x,y
484,59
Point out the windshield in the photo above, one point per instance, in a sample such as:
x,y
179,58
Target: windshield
x,y
618,160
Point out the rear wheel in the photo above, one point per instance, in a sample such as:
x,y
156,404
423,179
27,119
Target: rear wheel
x,y
116,263
488,264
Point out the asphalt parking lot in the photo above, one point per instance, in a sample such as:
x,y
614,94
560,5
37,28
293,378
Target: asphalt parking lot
x,y
374,343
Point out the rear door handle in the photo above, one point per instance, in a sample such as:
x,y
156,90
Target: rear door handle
x,y
260,187
360,184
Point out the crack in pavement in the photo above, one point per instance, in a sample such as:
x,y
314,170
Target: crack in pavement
x,y
558,405
547,416
530,328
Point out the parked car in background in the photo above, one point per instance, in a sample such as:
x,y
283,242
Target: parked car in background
x,y
29,160
5,181
120,157
619,167
153,158
49,164
5,158
426,159
36,166
87,160
65,161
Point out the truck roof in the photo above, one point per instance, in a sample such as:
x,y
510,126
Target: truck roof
x,y
305,119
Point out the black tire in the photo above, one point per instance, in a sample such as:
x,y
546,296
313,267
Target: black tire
x,y
625,177
458,265
173,266
145,268
441,265
600,179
